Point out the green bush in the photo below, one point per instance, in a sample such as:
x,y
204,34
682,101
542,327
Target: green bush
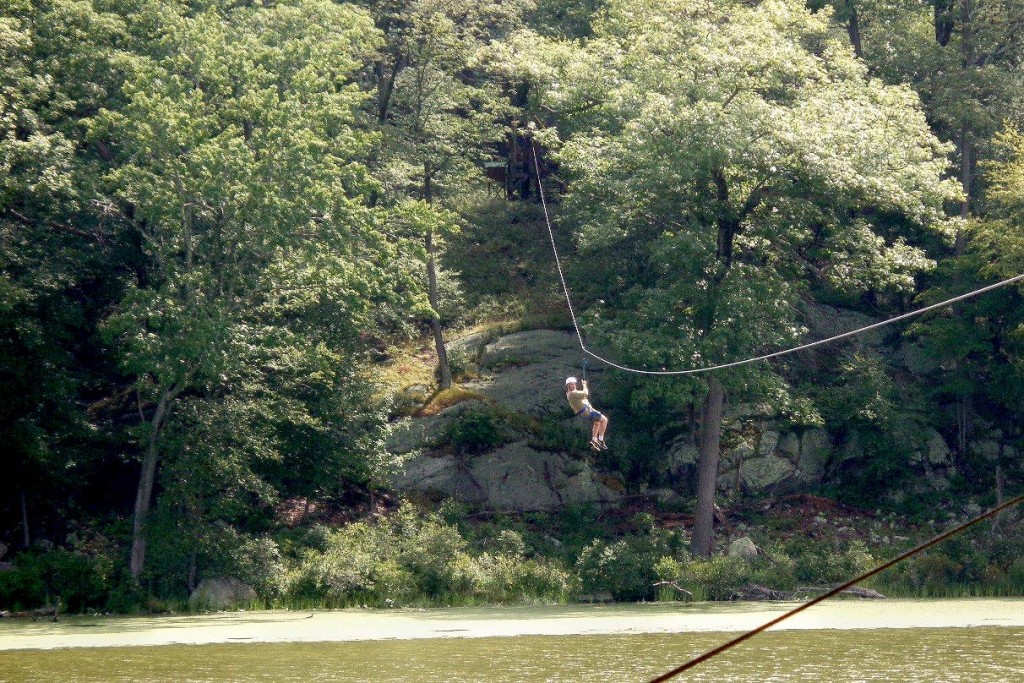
x,y
715,578
475,431
40,578
774,569
410,557
252,559
358,567
438,561
625,568
823,564
1015,576
510,578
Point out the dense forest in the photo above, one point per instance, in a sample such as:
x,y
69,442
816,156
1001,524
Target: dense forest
x,y
237,238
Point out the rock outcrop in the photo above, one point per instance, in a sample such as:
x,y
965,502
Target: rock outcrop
x,y
523,374
513,477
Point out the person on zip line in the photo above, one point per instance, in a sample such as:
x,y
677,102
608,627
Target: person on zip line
x,y
580,403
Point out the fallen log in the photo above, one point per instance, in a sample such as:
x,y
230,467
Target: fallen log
x,y
856,591
674,585
52,611
755,592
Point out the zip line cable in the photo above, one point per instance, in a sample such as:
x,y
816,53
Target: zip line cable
x,y
838,589
722,366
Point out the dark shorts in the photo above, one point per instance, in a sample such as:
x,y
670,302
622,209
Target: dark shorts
x,y
589,414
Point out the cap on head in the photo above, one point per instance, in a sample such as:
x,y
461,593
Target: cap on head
x,y
570,380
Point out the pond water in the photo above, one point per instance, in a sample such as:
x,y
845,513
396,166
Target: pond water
x,y
975,641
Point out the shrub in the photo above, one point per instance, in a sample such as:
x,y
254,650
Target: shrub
x,y
1015,575
512,578
252,559
436,558
669,569
475,431
716,578
774,569
410,557
39,578
625,568
358,567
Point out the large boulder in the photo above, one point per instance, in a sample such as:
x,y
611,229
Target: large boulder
x,y
222,592
526,371
758,474
815,447
682,453
743,548
513,477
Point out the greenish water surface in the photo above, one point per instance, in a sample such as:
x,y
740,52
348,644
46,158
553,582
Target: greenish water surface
x,y
969,641
975,655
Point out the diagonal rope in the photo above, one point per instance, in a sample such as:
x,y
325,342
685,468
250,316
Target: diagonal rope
x,y
838,589
554,248
755,359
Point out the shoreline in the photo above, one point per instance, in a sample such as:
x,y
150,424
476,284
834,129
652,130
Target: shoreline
x,y
352,625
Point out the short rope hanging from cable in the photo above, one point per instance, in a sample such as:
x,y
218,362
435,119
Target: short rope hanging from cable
x,y
754,359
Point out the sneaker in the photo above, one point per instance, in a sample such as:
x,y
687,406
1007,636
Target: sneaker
x,y
604,446
595,444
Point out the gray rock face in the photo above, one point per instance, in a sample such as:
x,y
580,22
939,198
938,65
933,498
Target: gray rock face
x,y
770,459
914,359
682,452
410,434
769,441
514,477
472,345
3,550
523,373
814,450
222,592
938,451
533,367
761,473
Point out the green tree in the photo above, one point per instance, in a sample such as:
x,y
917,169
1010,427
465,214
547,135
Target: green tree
x,y
437,111
237,163
55,254
737,155
978,351
963,57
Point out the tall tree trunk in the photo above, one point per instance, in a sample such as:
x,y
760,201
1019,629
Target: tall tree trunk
x,y
443,369
964,410
26,536
707,477
943,21
147,478
853,28
1000,485
966,180
386,86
